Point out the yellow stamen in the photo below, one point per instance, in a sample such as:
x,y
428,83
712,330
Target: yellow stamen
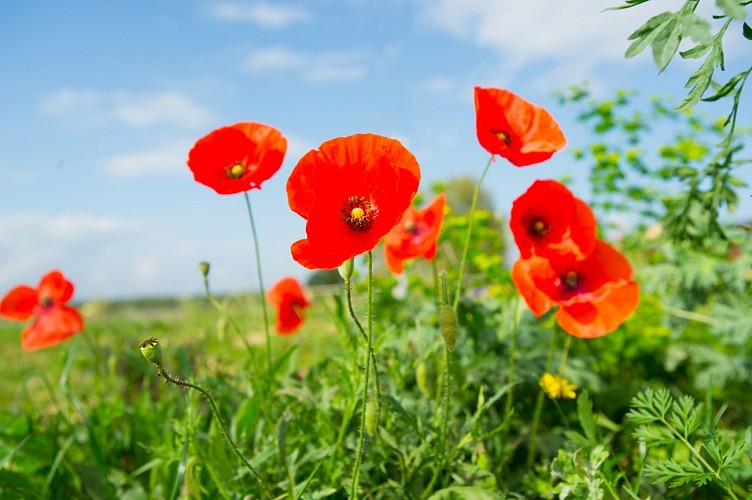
x,y
236,171
357,213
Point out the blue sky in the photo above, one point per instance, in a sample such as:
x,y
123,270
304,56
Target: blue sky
x,y
102,101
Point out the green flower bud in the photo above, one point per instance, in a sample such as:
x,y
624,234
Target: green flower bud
x,y
204,267
448,325
421,377
346,269
151,350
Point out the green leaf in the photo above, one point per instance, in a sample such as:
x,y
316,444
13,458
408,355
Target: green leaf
x,y
696,28
733,9
645,34
666,43
585,413
747,31
627,5
696,52
726,89
463,493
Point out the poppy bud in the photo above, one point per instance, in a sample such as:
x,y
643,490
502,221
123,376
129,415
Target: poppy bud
x,y
204,267
448,324
346,269
151,350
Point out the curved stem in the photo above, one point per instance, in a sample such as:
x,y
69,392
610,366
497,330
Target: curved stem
x,y
222,427
369,340
471,218
262,291
348,296
539,402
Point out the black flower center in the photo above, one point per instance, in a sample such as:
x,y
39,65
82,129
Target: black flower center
x,y
539,227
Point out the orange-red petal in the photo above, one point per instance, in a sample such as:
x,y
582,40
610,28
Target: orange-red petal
x,y
20,304
514,128
287,296
614,303
527,275
376,169
259,148
415,235
55,287
570,223
53,325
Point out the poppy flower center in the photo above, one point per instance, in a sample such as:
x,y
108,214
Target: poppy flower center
x,y
236,171
503,136
539,227
411,227
358,213
45,302
571,280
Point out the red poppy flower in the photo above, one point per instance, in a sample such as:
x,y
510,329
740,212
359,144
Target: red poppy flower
x,y
509,126
595,294
237,158
352,191
415,235
548,221
54,321
287,296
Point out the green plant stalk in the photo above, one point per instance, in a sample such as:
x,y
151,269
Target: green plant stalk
x,y
466,248
369,341
219,307
564,354
222,427
539,402
377,388
262,291
510,377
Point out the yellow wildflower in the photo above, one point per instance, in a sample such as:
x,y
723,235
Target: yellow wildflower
x,y
557,387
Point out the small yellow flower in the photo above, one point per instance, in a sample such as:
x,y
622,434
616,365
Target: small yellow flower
x,y
557,387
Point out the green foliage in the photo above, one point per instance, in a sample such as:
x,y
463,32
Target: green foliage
x,y
663,421
686,185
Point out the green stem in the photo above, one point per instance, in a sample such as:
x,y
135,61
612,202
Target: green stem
x,y
510,377
369,341
222,427
262,291
564,355
219,307
539,402
348,296
471,218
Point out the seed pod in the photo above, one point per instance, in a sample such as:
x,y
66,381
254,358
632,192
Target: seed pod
x,y
421,376
346,269
448,325
151,350
204,268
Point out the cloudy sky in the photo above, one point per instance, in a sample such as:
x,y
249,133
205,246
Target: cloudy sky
x,y
101,103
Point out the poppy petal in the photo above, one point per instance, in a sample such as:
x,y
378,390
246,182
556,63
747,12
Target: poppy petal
x,y
527,275
19,304
54,286
615,303
53,325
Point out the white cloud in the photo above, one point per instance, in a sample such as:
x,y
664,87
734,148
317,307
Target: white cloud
x,y
576,32
318,68
94,108
263,14
163,159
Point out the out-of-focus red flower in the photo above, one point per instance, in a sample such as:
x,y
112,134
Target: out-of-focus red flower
x,y
547,220
287,296
351,191
511,127
595,294
415,235
238,157
53,320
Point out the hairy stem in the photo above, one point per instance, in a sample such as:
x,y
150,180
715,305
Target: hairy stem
x,y
222,427
364,407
